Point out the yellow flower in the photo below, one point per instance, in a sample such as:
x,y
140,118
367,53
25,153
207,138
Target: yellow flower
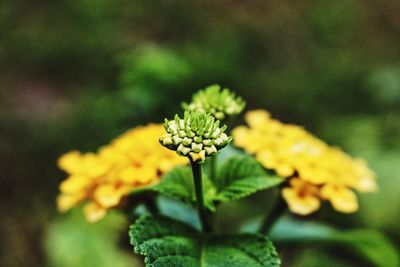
x,y
103,179
301,197
94,212
67,201
292,151
342,198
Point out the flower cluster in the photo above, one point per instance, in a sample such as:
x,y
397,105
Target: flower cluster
x,y
197,135
133,160
315,170
220,103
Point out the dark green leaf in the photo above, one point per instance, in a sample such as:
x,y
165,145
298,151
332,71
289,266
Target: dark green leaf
x,y
241,176
168,243
369,244
238,177
178,184
71,241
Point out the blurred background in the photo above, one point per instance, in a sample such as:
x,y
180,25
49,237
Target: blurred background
x,y
76,73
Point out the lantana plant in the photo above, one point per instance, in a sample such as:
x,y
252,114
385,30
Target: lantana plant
x,y
168,159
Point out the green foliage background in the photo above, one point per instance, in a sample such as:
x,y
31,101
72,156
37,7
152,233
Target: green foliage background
x,y
74,74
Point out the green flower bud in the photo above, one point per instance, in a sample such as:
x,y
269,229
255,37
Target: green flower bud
x,y
219,103
187,141
197,135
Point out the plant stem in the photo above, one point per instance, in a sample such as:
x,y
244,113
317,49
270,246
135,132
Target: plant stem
x,y
198,185
271,218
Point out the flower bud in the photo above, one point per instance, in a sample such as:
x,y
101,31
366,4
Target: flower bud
x,y
220,103
197,135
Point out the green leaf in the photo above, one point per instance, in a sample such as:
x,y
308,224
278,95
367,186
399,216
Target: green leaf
x,y
178,184
168,243
371,245
241,176
181,211
238,177
71,241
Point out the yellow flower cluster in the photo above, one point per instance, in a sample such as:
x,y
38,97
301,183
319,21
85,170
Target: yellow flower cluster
x,y
133,160
315,171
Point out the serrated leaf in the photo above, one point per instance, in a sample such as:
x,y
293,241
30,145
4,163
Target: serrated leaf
x,y
369,244
241,176
238,177
169,243
178,184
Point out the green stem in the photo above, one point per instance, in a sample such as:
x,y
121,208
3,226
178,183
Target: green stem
x,y
271,218
198,185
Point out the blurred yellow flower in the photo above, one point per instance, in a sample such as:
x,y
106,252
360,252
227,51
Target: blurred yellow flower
x,y
133,160
315,170
301,196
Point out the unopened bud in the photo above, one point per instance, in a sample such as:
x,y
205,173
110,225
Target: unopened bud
x,y
220,103
197,135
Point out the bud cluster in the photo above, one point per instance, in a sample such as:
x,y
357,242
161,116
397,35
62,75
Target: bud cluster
x,y
217,102
198,135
